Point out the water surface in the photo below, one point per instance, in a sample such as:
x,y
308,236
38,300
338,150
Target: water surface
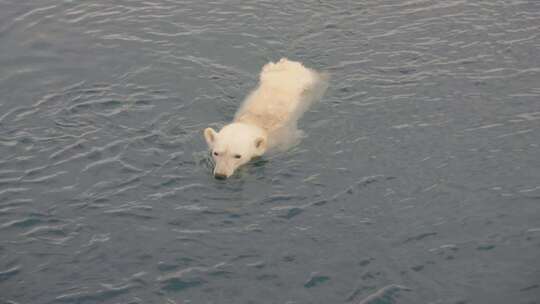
x,y
418,181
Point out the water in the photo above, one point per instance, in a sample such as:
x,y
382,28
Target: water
x,y
419,181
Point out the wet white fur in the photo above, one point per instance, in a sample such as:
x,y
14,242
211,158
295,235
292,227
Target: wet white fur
x,y
268,117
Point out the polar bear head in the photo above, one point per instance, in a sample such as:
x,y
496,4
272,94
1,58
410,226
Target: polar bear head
x,y
234,145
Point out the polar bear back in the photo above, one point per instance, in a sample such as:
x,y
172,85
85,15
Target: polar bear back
x,y
286,89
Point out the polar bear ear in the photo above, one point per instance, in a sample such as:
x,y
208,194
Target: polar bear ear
x,y
260,144
210,136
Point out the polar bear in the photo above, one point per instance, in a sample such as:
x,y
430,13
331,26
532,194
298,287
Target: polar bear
x,y
268,116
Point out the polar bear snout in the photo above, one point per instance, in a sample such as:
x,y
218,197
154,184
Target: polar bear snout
x,y
223,171
220,176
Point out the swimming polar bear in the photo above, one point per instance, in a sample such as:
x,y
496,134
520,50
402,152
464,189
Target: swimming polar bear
x,y
268,117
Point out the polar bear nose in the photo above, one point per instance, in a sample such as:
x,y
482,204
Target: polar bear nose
x,y
220,176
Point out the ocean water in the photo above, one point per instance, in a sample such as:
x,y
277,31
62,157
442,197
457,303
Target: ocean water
x,y
418,180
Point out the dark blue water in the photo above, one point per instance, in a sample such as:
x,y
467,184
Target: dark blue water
x,y
418,182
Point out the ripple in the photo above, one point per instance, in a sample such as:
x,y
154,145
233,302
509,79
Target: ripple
x,y
21,223
9,273
106,292
316,279
386,294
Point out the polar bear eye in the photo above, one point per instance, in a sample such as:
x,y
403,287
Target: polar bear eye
x,y
238,156
216,154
